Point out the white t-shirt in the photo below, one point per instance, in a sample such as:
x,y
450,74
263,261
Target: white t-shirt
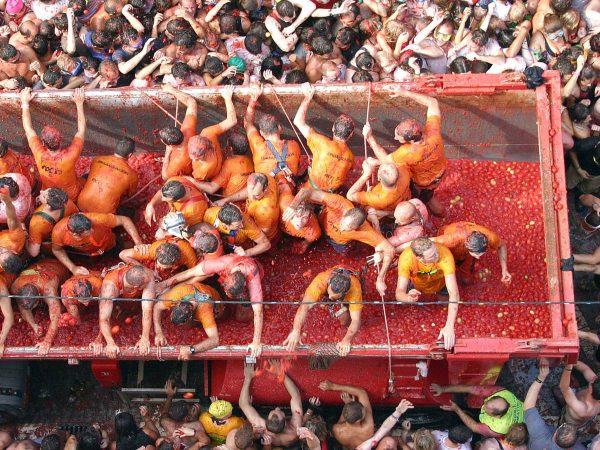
x,y
440,436
501,11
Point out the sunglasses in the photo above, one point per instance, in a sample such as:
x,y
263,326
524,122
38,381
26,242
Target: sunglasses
x,y
442,36
558,34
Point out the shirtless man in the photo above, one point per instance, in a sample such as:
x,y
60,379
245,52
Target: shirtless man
x,y
584,405
17,63
271,154
282,431
125,281
41,279
323,51
89,234
422,151
55,205
55,165
236,275
336,284
332,158
393,188
181,414
176,160
356,423
109,180
186,301
187,48
344,223
111,8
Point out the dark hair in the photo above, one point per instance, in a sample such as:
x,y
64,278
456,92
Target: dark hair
x,y
110,7
79,7
596,389
7,52
61,22
274,64
244,436
343,127
3,147
162,5
178,24
51,442
275,424
238,143
230,213
296,76
126,431
136,275
79,223
125,147
420,245
460,65
101,39
578,112
253,43
214,66
340,283
40,45
323,27
346,36
165,444
285,8
259,29
248,5
587,73
13,187
460,434
236,283
478,66
129,34
47,29
52,76
56,198
229,24
173,190
181,313
566,435
477,242
167,254
90,63
206,243
505,38
307,35
185,38
321,45
517,434
560,6
27,296
268,124
180,70
352,412
595,43
12,263
171,135
362,76
479,37
365,61
89,439
82,288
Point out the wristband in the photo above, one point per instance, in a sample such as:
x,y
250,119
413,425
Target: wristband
x,y
538,380
396,418
566,368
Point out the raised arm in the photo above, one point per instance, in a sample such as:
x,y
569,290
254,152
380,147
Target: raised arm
x,y
447,333
368,166
255,93
380,152
387,425
585,370
127,66
245,404
71,44
570,398
190,102
79,99
12,221
433,107
231,119
307,8
535,388
295,402
300,119
133,21
360,394
26,97
425,32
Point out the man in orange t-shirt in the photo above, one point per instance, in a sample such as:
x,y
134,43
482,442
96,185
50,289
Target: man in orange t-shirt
x,y
42,278
55,206
166,256
177,160
468,242
332,159
206,242
204,149
182,195
56,166
110,179
12,240
393,188
343,223
262,203
336,284
10,163
429,267
89,234
272,155
422,151
186,301
76,290
304,224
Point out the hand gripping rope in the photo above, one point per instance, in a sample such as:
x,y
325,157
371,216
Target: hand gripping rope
x,y
292,125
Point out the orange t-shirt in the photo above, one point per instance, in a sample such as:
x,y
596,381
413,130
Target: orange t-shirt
x,y
100,239
109,180
7,279
209,167
13,240
180,162
68,287
332,160
386,199
265,211
10,163
234,174
117,278
455,235
57,168
427,278
310,232
249,231
331,216
427,159
204,311
318,288
40,274
264,160
218,252
187,258
42,223
193,205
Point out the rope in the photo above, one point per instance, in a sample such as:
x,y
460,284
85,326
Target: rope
x,y
292,125
176,109
142,189
364,137
159,106
387,335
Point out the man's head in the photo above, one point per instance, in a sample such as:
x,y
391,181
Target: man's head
x,y
353,219
268,125
479,39
182,313
229,24
565,435
125,147
460,434
11,185
101,40
496,406
28,296
409,130
388,174
476,244
138,276
257,186
167,255
343,127
82,288
231,216
170,135
405,213
206,243
301,216
132,39
9,262
517,435
52,78
180,71
345,37
286,11
276,421
9,53
339,284
200,148
425,250
89,439
51,442
238,143
28,30
55,198
244,437
350,18
51,137
79,224
322,46
362,76
234,285
109,71
173,191
353,412
253,43
423,440
387,443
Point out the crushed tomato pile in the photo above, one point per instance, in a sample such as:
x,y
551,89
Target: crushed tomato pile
x,y
504,196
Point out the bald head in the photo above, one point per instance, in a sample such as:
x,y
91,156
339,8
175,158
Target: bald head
x,y
28,30
405,213
388,174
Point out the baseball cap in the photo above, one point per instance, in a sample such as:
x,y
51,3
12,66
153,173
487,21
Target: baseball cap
x,y
14,6
220,409
237,62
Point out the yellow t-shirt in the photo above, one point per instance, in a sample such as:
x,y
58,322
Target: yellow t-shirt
x,y
427,278
218,432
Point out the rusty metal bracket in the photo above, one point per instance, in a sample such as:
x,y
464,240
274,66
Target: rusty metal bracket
x,y
531,344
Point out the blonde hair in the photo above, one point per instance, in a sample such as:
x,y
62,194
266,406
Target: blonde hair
x,y
570,19
552,23
391,30
62,60
517,12
423,440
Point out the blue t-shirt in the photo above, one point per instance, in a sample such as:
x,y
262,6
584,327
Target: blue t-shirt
x,y
540,434
101,56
